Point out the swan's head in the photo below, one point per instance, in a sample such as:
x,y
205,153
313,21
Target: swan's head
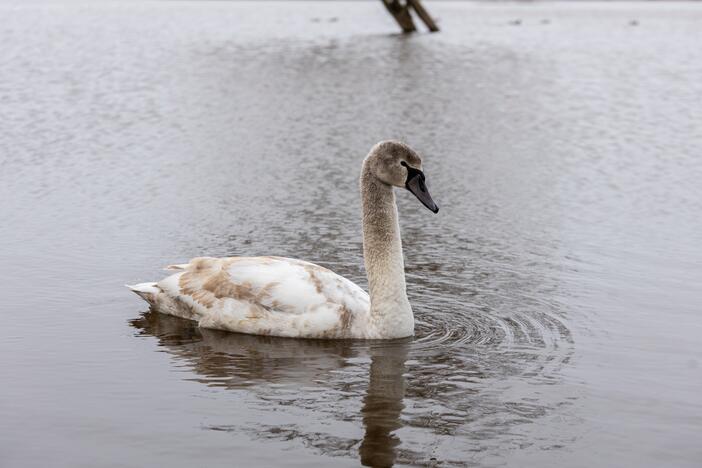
x,y
395,163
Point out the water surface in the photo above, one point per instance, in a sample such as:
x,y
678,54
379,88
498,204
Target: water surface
x,y
557,293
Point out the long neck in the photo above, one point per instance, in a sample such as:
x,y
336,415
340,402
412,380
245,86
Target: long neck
x,y
391,313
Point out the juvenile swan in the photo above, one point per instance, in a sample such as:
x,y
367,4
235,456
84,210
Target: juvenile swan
x,y
285,297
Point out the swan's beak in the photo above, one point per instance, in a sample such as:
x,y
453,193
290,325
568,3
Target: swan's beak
x,y
415,184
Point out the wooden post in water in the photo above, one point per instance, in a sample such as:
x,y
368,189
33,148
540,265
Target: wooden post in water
x,y
401,12
423,14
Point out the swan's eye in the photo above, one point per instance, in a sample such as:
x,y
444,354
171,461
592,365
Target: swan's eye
x,y
404,163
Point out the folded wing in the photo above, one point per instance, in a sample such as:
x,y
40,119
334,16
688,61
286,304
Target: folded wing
x,y
267,296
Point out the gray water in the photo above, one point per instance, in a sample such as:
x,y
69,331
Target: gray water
x,y
557,292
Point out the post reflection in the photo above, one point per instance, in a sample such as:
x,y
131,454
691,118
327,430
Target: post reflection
x,y
237,361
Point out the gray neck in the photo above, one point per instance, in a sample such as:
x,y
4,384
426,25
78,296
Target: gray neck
x,y
390,310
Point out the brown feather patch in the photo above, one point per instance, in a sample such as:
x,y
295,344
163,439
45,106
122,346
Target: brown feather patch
x,y
206,284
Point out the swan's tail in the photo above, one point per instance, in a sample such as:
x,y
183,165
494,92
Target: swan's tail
x,y
147,291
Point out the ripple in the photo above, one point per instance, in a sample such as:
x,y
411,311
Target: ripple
x,y
449,380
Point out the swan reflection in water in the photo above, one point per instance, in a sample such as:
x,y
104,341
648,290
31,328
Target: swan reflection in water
x,y
383,405
238,361
433,396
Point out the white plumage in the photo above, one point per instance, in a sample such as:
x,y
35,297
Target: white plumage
x,y
262,295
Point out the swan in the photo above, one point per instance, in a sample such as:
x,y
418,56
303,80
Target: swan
x,y
286,297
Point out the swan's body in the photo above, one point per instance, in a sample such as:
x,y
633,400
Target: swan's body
x,y
292,298
263,296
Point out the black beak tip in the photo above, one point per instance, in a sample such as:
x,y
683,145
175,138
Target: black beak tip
x,y
415,184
